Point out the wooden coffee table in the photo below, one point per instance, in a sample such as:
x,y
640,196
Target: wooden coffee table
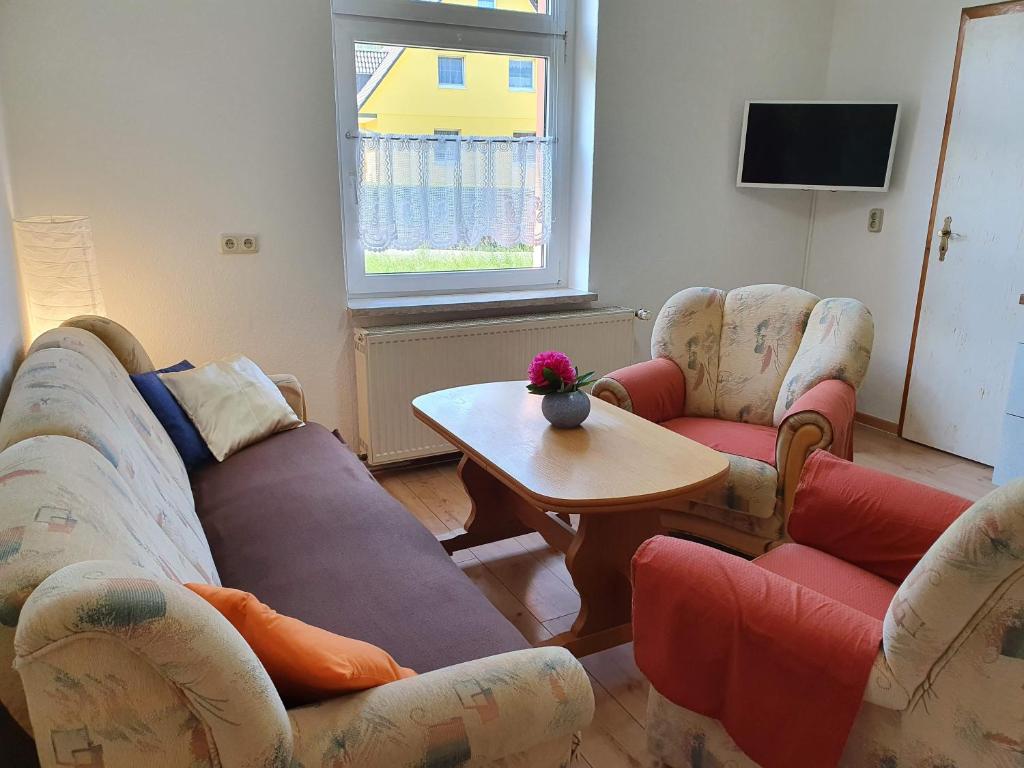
x,y
617,472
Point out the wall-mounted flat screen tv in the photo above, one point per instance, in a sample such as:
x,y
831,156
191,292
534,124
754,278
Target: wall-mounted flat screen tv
x,y
830,145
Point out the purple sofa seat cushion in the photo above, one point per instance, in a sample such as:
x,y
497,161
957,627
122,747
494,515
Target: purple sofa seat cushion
x,y
299,522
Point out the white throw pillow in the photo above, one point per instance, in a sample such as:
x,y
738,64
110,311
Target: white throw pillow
x,y
232,403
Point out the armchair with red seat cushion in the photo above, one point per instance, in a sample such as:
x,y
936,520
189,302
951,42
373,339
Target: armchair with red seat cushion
x,y
765,374
889,633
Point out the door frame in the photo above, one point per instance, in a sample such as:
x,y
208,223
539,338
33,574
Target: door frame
x,y
967,15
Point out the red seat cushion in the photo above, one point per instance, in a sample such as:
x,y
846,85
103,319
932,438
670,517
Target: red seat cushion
x,y
831,577
753,441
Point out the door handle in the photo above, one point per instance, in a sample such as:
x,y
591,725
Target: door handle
x,y
945,235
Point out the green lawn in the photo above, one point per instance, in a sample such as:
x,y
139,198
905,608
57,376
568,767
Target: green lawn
x,y
427,260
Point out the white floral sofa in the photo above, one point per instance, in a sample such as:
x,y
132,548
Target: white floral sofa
x,y
109,661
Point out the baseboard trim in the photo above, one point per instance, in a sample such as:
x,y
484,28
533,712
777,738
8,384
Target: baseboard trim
x,y
424,461
876,423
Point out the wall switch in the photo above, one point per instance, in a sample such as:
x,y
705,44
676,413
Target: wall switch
x,y
875,218
239,244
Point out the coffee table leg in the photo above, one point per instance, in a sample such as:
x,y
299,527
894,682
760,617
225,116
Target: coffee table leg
x,y
599,562
493,516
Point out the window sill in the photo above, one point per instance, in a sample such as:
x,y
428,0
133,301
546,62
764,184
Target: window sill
x,y
477,303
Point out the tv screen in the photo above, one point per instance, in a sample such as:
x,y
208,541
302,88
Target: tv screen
x,y
818,145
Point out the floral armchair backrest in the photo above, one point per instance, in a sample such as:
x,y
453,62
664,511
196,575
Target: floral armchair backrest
x,y
734,348
953,637
835,345
762,326
688,331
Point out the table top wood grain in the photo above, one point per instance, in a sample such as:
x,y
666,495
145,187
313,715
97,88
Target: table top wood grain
x,y
614,461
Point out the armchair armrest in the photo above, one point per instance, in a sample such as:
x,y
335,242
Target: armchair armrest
x,y
292,391
472,714
881,523
953,631
821,418
783,667
132,669
654,390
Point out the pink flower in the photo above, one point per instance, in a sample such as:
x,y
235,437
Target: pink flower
x,y
557,362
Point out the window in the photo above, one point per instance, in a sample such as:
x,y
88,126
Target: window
x,y
451,72
446,151
520,74
519,6
449,187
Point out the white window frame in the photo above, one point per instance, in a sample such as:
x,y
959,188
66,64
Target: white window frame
x,y
462,70
456,28
532,87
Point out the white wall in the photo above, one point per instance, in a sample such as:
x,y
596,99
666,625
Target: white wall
x,y
887,50
169,123
12,340
672,77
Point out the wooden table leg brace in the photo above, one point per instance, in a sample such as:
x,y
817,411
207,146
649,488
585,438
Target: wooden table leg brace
x,y
598,553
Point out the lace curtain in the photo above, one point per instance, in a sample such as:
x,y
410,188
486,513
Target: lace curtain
x,y
453,192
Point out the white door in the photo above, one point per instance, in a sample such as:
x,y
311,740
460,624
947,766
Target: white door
x,y
971,313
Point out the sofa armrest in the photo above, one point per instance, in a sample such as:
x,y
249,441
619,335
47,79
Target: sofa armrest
x,y
132,669
119,340
471,714
654,390
721,636
821,418
879,522
291,388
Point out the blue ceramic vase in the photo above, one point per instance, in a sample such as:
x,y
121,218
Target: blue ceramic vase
x,y
565,410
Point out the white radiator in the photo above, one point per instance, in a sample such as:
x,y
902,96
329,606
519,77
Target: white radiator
x,y
395,364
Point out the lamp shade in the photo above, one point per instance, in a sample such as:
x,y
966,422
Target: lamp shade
x,y
58,269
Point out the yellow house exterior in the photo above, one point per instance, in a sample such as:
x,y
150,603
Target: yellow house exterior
x,y
405,95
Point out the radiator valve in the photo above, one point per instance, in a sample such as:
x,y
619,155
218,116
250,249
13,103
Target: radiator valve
x,y
643,314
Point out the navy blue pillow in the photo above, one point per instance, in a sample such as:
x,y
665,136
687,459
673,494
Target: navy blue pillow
x,y
179,426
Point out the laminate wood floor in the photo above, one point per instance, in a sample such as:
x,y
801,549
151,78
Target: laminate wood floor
x,y
528,582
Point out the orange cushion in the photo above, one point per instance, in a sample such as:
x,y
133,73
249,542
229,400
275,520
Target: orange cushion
x,y
753,441
831,577
305,662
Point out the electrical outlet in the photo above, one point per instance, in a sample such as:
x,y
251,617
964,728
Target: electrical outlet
x,y
239,244
875,218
